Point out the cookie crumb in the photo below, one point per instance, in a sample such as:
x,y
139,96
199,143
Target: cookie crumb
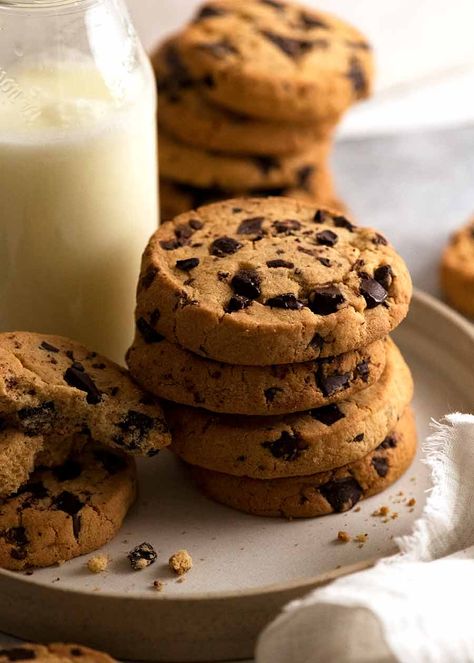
x,y
142,556
158,585
181,562
394,515
181,579
98,564
357,509
343,536
411,502
361,538
382,512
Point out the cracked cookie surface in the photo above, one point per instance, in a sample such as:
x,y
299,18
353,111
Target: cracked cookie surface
x,y
52,385
457,270
276,59
173,373
67,510
320,494
269,281
296,444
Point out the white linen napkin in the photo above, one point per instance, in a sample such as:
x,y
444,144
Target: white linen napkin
x,y
414,607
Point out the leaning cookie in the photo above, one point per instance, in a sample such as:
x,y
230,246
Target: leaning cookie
x,y
54,653
173,373
67,510
276,60
320,494
295,444
52,385
269,281
457,270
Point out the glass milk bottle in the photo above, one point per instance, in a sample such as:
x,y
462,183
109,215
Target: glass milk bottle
x,y
78,171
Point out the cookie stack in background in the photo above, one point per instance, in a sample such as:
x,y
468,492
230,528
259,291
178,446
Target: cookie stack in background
x,y
250,93
264,323
71,422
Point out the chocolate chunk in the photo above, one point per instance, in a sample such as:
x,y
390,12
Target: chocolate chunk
x,y
17,654
373,293
147,332
326,300
136,426
76,651
331,384
147,279
246,283
155,315
187,264
384,276
342,222
317,341
303,177
16,536
237,303
380,465
294,48
68,502
169,245
390,442
223,276
266,163
224,246
342,494
195,224
322,216
219,49
276,4
112,463
271,393
325,262
328,414
76,377
357,77
99,367
37,420
311,21
208,12
36,489
280,263
287,301
379,240
359,438
68,471
251,226
288,226
288,447
326,238
142,556
48,347
362,370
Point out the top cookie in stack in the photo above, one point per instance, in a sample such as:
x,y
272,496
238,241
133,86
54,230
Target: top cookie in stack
x,y
273,315
249,95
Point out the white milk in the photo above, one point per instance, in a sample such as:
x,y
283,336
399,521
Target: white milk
x,y
78,202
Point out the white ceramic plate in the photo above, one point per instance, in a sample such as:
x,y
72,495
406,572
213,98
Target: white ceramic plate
x,y
245,568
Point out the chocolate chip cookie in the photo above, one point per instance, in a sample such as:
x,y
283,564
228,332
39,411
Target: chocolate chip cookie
x,y
52,385
173,373
186,114
204,169
269,281
276,60
54,653
68,510
322,493
295,444
457,270
17,459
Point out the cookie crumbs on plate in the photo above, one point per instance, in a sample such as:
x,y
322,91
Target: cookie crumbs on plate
x,y
181,562
411,502
361,538
357,509
98,564
142,556
382,512
181,579
158,585
394,515
343,536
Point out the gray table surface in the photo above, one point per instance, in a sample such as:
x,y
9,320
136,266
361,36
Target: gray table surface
x,y
415,188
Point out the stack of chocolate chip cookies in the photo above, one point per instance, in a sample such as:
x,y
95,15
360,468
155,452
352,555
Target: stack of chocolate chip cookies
x,y
265,323
250,93
71,422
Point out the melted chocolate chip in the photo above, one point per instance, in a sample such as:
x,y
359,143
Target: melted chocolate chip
x,y
224,246
16,536
147,279
342,494
273,264
331,384
379,240
209,12
384,276
311,21
328,414
266,163
276,4
187,264
288,226
147,332
359,438
341,222
68,471
68,502
390,442
288,447
303,177
155,315
75,376
37,420
326,300
246,283
373,293
287,301
76,651
317,341
251,226
271,393
362,370
195,224
219,49
142,556
36,489
169,245
326,238
136,427
325,262
357,77
223,276
18,654
294,48
380,465
48,347
237,303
